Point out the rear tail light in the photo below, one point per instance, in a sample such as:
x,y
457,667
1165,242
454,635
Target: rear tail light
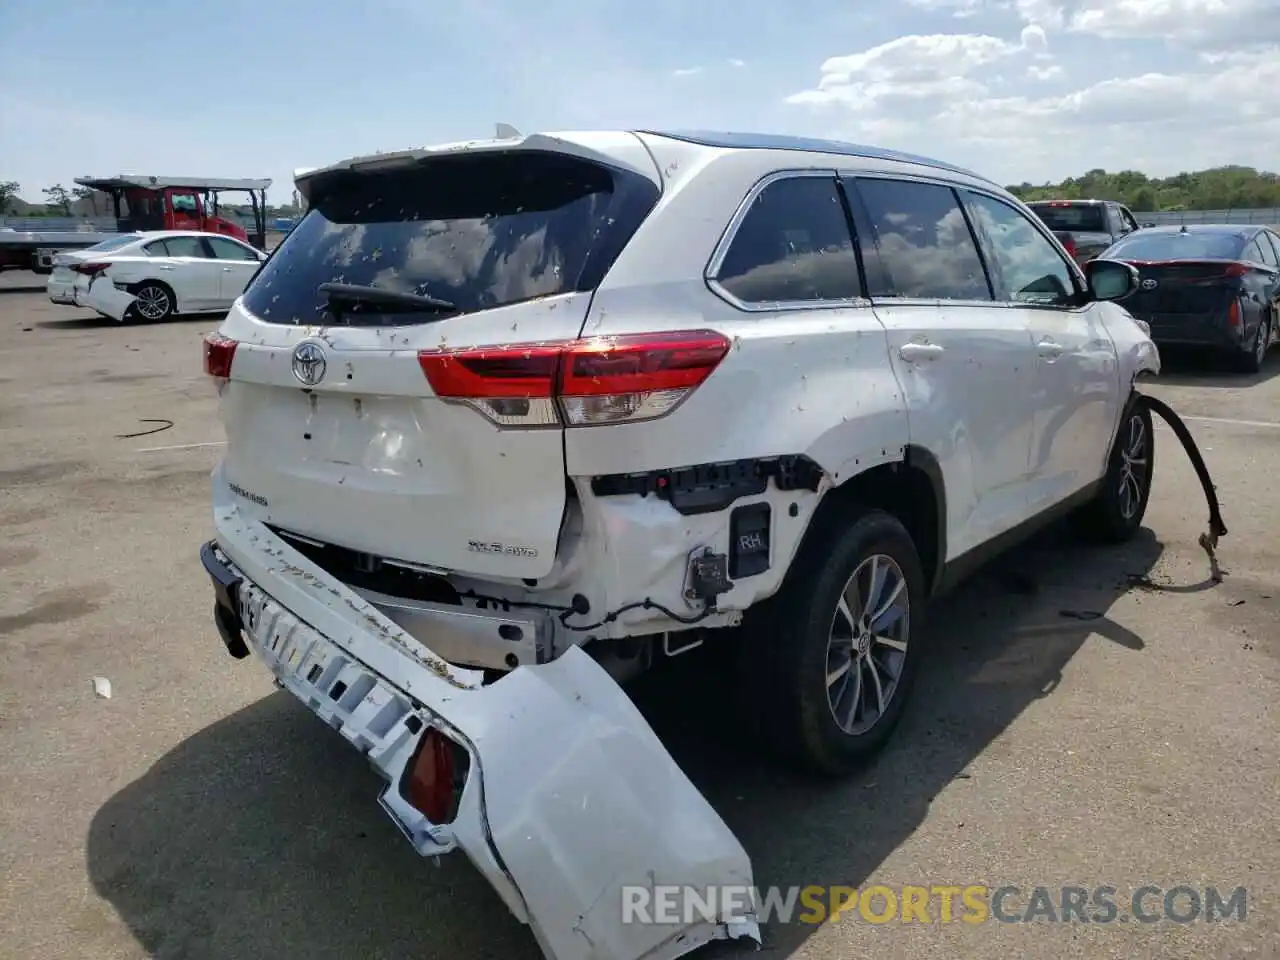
x,y
1199,269
578,382
434,778
1233,315
219,352
90,269
1069,245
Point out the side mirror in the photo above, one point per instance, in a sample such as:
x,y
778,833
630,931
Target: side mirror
x,y
1110,279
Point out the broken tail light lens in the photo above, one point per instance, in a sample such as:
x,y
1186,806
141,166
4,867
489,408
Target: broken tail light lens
x,y
433,780
601,380
219,353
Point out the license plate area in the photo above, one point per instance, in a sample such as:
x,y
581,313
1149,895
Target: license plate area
x,y
347,695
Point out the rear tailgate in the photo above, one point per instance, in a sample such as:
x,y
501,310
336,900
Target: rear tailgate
x,y
334,430
1187,300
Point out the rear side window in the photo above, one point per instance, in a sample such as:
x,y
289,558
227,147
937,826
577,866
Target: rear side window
x,y
793,246
178,247
1178,246
1255,250
1081,217
224,249
1270,252
113,244
924,242
476,230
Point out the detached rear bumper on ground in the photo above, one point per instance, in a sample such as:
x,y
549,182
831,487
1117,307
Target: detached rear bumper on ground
x,y
566,795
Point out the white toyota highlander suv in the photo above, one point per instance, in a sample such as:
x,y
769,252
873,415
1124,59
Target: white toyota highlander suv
x,y
508,420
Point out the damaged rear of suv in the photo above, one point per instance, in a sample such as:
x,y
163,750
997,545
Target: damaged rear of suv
x,y
508,420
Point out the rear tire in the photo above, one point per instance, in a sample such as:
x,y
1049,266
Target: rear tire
x,y
827,681
1251,360
155,302
1115,513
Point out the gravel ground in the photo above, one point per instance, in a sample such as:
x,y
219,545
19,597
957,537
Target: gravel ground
x,y
199,813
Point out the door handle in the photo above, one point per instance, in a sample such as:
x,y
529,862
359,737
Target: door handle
x,y
916,352
1049,349
166,268
226,269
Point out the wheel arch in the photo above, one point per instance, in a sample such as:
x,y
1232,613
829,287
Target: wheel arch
x,y
911,489
137,285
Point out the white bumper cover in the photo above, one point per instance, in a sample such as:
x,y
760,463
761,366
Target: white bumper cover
x,y
571,797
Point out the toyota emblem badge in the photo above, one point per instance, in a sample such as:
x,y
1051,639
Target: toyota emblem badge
x,y
309,363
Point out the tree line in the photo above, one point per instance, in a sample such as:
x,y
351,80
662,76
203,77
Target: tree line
x,y
1221,188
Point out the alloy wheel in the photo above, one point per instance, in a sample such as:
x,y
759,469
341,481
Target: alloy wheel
x,y
1133,467
153,302
867,645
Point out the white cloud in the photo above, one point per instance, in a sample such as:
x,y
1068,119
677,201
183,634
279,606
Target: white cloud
x,y
937,94
686,72
735,62
1180,21
960,9
1050,72
1033,37
922,68
1047,13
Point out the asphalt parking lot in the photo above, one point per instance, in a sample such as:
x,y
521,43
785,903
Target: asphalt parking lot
x,y
1088,717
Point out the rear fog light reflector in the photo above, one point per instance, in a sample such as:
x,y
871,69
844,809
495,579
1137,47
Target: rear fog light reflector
x,y
433,780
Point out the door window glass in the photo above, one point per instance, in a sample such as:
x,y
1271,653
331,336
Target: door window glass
x,y
1027,267
224,249
924,242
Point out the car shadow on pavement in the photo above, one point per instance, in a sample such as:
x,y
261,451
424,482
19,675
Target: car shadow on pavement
x,y
1189,367
260,835
94,322
100,322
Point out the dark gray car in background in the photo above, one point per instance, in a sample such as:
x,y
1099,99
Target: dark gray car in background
x,y
1211,285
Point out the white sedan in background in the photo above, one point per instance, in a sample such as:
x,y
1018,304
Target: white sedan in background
x,y
154,275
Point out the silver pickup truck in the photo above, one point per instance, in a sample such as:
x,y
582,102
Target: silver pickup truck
x,y
1085,227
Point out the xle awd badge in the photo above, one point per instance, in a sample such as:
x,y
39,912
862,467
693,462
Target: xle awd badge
x,y
309,363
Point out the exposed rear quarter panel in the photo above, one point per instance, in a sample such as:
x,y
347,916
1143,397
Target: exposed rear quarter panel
x,y
818,383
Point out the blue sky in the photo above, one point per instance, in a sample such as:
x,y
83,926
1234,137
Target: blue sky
x,y
1019,89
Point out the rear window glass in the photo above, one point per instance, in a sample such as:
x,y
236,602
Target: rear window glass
x,y
1179,246
1083,218
479,231
113,244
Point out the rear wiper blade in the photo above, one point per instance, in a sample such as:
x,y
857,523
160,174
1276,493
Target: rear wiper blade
x,y
355,293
